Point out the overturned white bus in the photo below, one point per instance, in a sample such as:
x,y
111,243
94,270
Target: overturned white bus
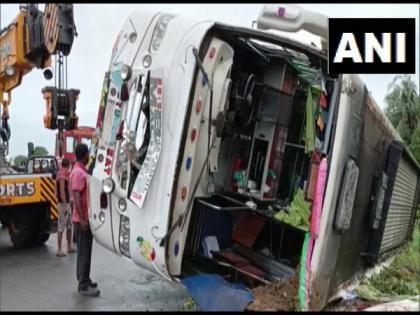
x,y
230,150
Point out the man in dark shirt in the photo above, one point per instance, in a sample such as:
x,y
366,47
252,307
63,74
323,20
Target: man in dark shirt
x,y
64,211
80,218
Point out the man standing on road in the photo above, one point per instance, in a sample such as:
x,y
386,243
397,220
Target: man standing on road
x,y
78,186
64,210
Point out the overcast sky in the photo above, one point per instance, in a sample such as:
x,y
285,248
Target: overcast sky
x,y
98,26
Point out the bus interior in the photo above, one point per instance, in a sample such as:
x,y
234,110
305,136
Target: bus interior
x,y
278,125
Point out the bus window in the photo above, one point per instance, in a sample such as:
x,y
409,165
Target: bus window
x,y
137,119
141,129
70,144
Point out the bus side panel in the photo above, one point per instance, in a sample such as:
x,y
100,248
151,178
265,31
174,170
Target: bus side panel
x,y
371,159
363,134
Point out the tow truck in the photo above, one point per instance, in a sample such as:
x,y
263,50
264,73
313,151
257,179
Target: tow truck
x,y
28,203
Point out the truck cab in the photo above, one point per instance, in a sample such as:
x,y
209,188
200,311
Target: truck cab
x,y
42,165
71,138
230,150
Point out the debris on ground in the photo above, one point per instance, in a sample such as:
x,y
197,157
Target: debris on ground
x,y
276,296
298,214
190,305
342,305
211,292
351,295
407,305
395,287
368,292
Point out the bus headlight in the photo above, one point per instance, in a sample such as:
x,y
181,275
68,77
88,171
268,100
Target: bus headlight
x,y
122,204
159,32
125,72
147,61
102,217
124,237
108,185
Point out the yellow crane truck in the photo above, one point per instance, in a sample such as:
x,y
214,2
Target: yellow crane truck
x,y
28,203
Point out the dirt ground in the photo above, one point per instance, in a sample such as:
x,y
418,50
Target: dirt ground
x,y
282,296
277,296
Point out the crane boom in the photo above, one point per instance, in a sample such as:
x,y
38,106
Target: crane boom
x,y
29,42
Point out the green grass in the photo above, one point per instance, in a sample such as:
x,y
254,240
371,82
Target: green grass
x,y
189,305
402,277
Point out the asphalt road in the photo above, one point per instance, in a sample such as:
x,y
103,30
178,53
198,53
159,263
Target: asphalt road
x,y
35,279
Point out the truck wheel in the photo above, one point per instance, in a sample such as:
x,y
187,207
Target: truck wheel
x,y
3,222
41,226
20,231
41,238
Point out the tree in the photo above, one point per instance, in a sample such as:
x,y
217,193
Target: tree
x,y
415,144
403,106
403,110
40,151
19,159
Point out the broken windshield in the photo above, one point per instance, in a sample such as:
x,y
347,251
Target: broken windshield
x,y
137,132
